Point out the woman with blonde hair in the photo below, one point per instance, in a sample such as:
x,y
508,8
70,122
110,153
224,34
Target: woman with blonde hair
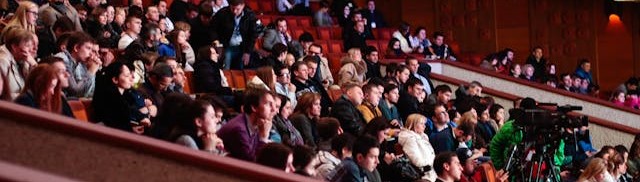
x,y
25,18
416,146
594,172
353,68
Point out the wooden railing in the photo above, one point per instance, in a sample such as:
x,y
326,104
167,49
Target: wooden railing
x,y
44,128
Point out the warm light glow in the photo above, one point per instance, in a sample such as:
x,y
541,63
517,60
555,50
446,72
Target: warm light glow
x,y
614,18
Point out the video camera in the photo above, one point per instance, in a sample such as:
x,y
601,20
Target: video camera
x,y
546,120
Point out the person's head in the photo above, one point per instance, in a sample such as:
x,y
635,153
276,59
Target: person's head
x,y
378,127
119,16
119,75
632,83
528,70
440,114
438,38
342,145
309,104
622,150
566,80
111,13
281,25
237,6
516,70
416,123
365,152
354,93
63,75
311,64
372,94
324,6
537,52
162,7
391,93
412,64
576,80
26,15
267,76
82,12
414,87
285,108
306,40
100,15
42,82
19,42
208,53
304,159
510,53
595,170
465,130
421,33
356,16
359,26
277,156
404,28
496,112
62,25
443,94
152,14
402,73
605,152
618,96
315,50
328,128
371,5
258,103
300,70
616,164
203,115
475,88
394,44
371,54
161,76
283,74
355,54
447,165
279,51
133,24
346,11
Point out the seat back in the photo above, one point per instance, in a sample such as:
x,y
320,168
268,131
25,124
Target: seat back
x,y
238,79
78,110
188,82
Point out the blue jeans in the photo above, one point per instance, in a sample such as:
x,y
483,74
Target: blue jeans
x,y
233,58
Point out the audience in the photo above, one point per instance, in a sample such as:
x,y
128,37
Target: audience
x,y
133,63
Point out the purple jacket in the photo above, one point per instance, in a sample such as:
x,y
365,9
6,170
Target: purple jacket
x,y
237,140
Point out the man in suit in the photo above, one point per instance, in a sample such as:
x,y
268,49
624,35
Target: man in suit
x,y
235,28
280,34
245,134
345,109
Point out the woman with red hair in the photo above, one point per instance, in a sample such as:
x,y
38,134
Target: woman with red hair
x,y
42,91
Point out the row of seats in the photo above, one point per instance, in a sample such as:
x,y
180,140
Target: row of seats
x,y
269,6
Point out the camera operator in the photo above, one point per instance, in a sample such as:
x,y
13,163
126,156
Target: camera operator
x,y
510,135
578,148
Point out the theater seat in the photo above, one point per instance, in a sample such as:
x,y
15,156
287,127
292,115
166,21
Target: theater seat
x,y
238,79
227,75
249,74
324,33
188,83
78,110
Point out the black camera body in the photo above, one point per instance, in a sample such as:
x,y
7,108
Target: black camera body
x,y
549,120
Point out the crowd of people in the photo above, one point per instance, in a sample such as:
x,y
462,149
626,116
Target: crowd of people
x,y
394,125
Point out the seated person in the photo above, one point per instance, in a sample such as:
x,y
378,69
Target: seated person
x,y
353,68
207,75
369,107
276,155
43,90
416,146
448,167
410,98
245,134
402,35
322,17
440,49
304,84
200,130
365,159
451,139
82,64
157,84
341,149
346,112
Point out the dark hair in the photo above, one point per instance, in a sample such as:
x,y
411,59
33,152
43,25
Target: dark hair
x,y
441,159
302,156
306,37
391,42
274,155
277,69
408,59
388,88
235,2
204,53
344,140
604,150
632,81
16,35
363,144
621,149
535,48
369,50
528,103
328,128
411,82
161,70
278,49
172,116
442,89
205,9
467,128
375,125
148,29
430,110
438,34
296,65
403,27
78,38
50,60
64,24
284,100
252,98
417,31
493,111
280,19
